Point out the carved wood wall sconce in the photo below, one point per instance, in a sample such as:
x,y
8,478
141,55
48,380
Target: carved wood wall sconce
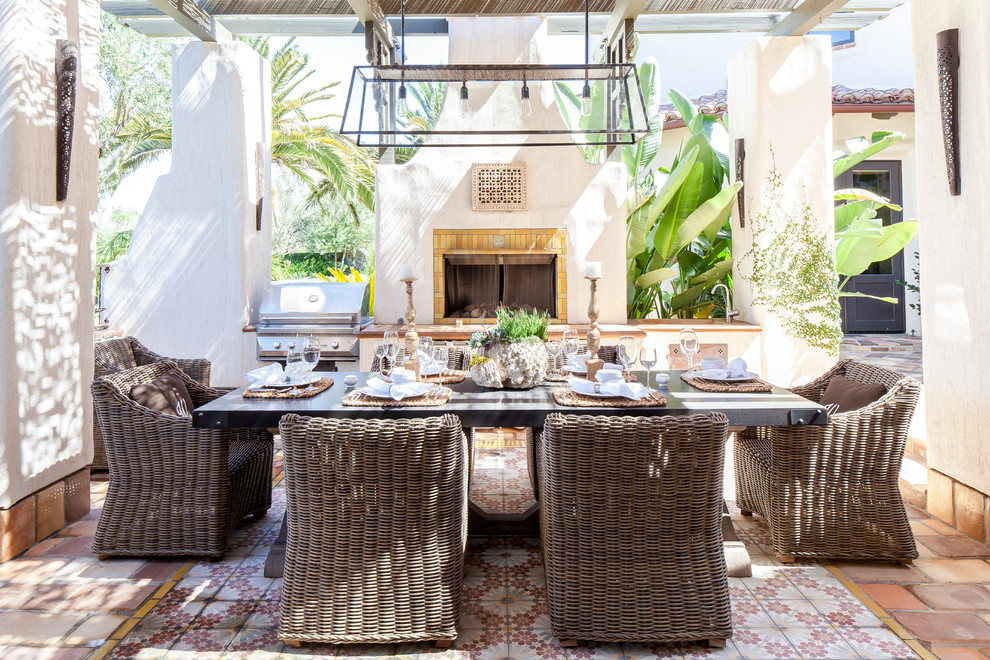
x,y
740,163
66,63
948,89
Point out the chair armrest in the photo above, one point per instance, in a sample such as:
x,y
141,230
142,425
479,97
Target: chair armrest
x,y
197,368
200,393
816,388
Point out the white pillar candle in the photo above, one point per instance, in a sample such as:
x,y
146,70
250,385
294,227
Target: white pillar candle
x,y
406,272
592,269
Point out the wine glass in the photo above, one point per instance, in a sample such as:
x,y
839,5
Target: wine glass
x,y
570,344
553,348
381,351
689,346
294,363
441,356
426,345
648,358
625,350
311,357
391,341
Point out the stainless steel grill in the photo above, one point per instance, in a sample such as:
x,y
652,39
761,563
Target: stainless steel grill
x,y
333,312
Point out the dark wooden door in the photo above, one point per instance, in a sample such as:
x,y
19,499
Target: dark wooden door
x,y
882,177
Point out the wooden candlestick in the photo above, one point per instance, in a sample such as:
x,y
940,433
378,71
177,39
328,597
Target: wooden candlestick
x,y
411,336
593,363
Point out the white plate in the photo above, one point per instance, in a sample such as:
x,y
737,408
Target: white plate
x,y
303,381
597,395
388,397
750,376
574,370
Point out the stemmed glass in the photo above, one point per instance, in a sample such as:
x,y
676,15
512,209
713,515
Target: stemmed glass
x,y
311,357
441,356
570,344
381,350
625,350
426,345
648,358
689,346
294,364
553,348
391,341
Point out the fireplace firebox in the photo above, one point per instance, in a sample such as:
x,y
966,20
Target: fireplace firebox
x,y
475,285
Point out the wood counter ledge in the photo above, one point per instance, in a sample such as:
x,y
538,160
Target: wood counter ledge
x,y
463,333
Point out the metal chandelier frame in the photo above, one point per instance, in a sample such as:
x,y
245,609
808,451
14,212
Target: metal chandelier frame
x,y
614,110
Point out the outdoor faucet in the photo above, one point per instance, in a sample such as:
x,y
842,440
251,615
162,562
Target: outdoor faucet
x,y
729,312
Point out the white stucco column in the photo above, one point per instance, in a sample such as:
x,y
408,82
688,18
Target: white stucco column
x,y
198,264
781,100
46,249
955,286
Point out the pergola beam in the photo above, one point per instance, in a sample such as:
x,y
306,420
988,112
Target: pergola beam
x,y
369,11
624,9
194,19
807,17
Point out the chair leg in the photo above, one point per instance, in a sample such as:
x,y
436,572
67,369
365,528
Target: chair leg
x,y
294,643
103,557
444,643
259,514
786,559
568,643
717,642
747,514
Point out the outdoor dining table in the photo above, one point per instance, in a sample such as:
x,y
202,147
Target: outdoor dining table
x,y
482,407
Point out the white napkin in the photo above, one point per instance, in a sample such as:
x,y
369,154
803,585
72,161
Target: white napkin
x,y
735,369
610,383
612,367
427,366
577,363
403,385
265,376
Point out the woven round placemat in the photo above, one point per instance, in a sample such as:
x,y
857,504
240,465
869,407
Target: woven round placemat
x,y
563,378
449,376
566,397
746,386
320,385
437,397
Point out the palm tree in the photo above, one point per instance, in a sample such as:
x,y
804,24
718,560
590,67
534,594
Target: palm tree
x,y
326,162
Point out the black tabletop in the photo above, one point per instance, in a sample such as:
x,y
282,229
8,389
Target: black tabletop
x,y
484,407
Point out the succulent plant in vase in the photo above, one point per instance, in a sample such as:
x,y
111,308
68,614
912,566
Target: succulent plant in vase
x,y
517,347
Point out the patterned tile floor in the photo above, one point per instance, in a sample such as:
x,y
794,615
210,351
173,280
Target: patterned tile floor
x,y
61,602
901,353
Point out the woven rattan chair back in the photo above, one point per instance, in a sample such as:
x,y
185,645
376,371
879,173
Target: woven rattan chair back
x,y
458,359
377,523
832,491
631,522
174,489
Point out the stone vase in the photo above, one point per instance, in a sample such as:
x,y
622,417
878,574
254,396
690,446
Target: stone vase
x,y
521,364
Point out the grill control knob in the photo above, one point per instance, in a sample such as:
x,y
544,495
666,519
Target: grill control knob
x,y
277,344
335,344
292,345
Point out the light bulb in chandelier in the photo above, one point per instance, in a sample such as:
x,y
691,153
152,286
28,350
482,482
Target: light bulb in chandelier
x,y
586,100
463,107
401,105
525,106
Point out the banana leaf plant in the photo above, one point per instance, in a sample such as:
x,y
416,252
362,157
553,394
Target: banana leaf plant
x,y
860,236
678,242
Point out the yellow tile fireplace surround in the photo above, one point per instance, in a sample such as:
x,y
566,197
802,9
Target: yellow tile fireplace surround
x,y
498,241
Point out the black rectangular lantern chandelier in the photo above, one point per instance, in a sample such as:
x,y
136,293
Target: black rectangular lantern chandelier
x,y
481,105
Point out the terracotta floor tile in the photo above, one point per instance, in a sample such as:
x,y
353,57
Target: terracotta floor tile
x,y
892,597
73,546
159,570
28,595
942,528
43,547
96,628
36,628
955,570
914,513
953,596
942,627
875,571
955,546
919,529
44,653
957,653
30,569
80,528
109,598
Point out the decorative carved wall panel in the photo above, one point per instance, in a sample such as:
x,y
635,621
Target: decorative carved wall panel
x,y
948,89
66,63
499,187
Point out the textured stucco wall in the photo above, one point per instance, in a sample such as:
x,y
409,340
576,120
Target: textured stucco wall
x,y
955,280
433,190
781,100
46,250
197,266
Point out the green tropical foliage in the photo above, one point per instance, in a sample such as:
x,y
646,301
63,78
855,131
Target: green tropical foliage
x,y
425,100
860,236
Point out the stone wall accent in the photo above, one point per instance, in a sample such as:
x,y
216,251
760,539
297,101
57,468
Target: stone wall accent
x,y
42,513
956,504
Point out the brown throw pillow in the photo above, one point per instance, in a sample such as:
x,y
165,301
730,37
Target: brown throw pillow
x,y
166,394
846,394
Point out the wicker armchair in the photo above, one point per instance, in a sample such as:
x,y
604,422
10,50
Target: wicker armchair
x,y
174,489
631,525
831,491
377,524
119,353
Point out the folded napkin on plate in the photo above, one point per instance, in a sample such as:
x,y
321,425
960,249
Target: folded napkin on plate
x,y
577,363
612,367
403,385
265,376
427,366
610,383
735,369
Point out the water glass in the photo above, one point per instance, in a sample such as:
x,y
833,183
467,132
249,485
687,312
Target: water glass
x,y
294,364
381,352
554,348
625,350
426,345
689,346
570,344
311,357
648,358
441,356
391,341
